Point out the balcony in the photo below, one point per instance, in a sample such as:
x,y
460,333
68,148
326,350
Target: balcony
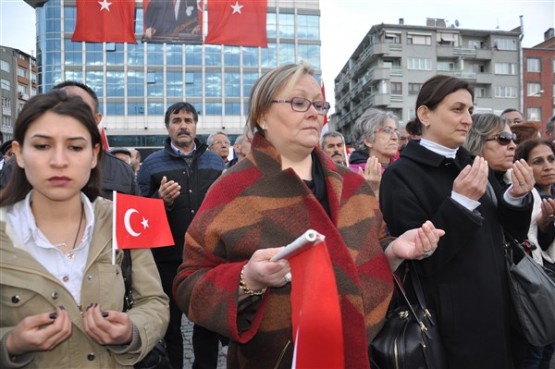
x,y
484,78
464,52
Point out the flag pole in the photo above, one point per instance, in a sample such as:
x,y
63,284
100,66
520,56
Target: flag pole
x,y
114,238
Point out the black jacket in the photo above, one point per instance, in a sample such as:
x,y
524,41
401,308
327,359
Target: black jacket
x,y
465,279
195,179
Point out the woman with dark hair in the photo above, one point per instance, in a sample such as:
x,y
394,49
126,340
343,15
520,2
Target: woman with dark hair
x,y
61,296
286,185
540,155
464,281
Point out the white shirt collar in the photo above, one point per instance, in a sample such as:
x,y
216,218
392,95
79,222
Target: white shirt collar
x,y
439,149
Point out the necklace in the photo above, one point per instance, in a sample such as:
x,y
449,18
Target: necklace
x,y
71,254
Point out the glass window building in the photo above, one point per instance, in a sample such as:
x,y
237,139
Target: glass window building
x,y
135,83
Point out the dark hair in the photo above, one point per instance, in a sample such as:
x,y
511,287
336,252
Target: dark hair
x,y
435,89
510,110
524,149
83,86
180,106
59,102
413,128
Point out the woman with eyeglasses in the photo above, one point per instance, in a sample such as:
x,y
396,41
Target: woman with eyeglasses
x,y
436,178
285,186
540,155
376,136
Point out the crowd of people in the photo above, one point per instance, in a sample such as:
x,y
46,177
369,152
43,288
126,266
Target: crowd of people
x,y
445,192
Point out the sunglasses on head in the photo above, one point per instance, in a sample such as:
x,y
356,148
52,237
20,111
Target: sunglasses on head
x,y
504,138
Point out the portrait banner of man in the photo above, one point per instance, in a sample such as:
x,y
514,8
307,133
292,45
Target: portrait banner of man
x,y
172,21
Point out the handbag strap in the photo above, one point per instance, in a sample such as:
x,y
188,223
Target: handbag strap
x,y
401,289
415,280
126,271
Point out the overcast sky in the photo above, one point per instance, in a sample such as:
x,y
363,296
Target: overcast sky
x,y
345,22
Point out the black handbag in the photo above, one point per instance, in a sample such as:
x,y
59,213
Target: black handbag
x,y
532,290
157,358
410,337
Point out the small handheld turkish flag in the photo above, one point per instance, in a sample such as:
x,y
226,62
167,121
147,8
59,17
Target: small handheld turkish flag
x,y
140,223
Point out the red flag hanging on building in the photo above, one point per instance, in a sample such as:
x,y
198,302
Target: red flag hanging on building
x,y
325,127
104,139
105,21
140,223
237,22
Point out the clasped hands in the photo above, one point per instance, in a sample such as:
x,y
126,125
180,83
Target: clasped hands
x,y
45,331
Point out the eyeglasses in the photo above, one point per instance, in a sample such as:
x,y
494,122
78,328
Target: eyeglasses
x,y
301,104
504,138
223,143
389,130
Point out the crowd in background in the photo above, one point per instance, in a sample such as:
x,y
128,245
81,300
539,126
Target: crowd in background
x,y
443,191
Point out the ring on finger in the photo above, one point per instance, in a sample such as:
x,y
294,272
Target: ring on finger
x,y
287,277
427,253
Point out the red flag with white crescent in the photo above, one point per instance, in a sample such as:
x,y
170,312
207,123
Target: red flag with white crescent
x,y
140,222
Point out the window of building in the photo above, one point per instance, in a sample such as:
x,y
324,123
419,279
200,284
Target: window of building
x,y
533,89
21,72
136,53
232,109
533,65
232,84
505,44
213,86
392,38
250,57
69,19
505,68
445,66
174,83
232,56
414,88
310,54
4,65
286,25
506,92
93,53
33,77
419,64
269,56
396,88
419,39
155,108
213,108
193,54
135,108
115,56
155,83
21,89
193,85
95,80
174,54
271,25
286,53
475,44
155,54
114,84
73,75
534,114
115,108
447,39
212,55
135,83
480,92
73,52
553,67
6,103
248,81
308,27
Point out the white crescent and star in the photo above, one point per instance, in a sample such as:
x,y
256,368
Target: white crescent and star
x,y
127,222
104,4
236,8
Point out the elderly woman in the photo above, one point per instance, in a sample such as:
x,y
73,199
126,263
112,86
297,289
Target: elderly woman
x,y
286,185
540,155
436,178
376,135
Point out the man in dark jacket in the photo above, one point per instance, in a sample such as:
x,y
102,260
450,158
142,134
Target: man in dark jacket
x,y
116,175
181,174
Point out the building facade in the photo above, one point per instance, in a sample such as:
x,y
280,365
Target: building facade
x,y
18,82
137,82
392,62
539,80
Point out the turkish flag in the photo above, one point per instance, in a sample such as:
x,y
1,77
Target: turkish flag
x,y
237,22
140,223
105,21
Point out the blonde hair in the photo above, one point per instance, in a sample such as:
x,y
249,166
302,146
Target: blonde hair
x,y
282,78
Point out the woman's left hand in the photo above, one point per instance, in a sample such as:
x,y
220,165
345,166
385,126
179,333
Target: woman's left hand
x,y
108,327
522,177
417,243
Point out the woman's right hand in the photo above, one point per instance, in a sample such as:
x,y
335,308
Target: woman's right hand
x,y
260,272
472,181
41,332
372,173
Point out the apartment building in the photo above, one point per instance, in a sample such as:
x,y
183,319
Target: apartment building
x,y
18,82
392,62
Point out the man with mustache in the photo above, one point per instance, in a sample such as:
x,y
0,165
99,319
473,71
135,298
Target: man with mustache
x,y
333,144
181,174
